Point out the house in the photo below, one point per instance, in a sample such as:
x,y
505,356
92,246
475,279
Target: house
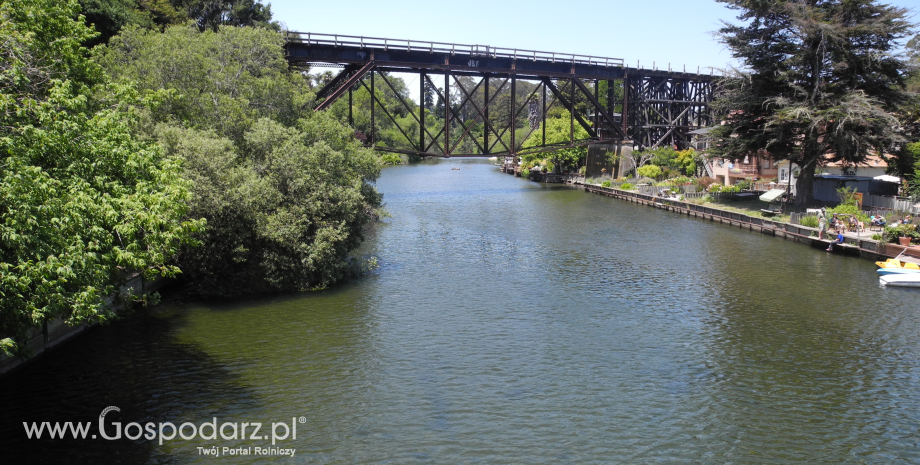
x,y
841,174
753,167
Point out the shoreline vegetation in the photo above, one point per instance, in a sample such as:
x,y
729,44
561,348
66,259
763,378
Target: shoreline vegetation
x,y
172,139
177,146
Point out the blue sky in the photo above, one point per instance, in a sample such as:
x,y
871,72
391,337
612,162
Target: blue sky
x,y
678,32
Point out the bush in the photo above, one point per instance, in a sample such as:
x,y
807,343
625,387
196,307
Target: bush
x,y
892,233
704,182
849,209
525,173
649,171
626,186
582,170
720,188
390,159
744,184
605,184
809,221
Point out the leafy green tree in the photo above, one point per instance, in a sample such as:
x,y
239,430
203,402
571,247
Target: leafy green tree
x,y
559,131
286,191
83,203
216,81
109,16
649,171
211,14
821,77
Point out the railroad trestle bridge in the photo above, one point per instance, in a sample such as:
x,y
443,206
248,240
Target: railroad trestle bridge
x,y
494,100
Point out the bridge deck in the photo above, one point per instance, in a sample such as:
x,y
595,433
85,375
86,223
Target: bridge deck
x,y
307,48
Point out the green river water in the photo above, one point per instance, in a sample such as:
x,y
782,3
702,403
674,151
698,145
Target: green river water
x,y
513,322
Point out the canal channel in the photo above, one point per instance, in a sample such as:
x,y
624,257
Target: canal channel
x,y
513,322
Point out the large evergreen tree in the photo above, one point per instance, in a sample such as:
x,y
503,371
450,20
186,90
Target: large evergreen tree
x,y
819,77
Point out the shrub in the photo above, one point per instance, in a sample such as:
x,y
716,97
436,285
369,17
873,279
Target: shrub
x,y
720,188
649,171
849,209
390,159
525,173
626,186
892,233
810,221
605,184
704,182
744,184
582,170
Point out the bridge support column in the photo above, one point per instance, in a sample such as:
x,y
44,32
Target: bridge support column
x,y
373,123
485,112
421,113
513,112
447,113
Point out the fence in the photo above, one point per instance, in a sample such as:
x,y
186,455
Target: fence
x,y
890,203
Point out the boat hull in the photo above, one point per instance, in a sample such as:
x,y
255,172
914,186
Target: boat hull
x,y
884,271
902,280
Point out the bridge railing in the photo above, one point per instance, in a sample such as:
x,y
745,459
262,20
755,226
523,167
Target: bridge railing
x,y
380,43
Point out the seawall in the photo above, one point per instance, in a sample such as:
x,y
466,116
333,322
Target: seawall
x,y
53,333
866,248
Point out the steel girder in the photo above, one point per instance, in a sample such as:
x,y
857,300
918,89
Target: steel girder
x,y
662,111
657,107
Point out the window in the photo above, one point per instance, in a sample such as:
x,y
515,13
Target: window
x,y
782,174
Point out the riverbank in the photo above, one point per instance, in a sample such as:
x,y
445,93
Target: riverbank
x,y
856,246
52,333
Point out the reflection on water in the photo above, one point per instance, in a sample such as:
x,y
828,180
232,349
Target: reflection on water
x,y
517,322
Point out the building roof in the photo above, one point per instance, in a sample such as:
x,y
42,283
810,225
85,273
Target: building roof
x,y
701,131
872,161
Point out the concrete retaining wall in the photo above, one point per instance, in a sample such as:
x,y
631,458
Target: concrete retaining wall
x,y
55,332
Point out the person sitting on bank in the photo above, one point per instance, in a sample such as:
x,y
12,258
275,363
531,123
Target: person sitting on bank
x,y
839,240
837,224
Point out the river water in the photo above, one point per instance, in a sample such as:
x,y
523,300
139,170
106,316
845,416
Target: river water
x,y
513,322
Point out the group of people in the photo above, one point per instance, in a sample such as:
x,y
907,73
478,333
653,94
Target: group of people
x,y
839,225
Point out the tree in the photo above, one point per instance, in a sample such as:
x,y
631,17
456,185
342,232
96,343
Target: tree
x,y
286,191
82,201
211,14
558,131
821,78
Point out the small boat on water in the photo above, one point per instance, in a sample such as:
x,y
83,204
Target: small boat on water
x,y
895,263
903,270
885,271
902,280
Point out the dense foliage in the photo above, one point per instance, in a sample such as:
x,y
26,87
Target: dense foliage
x,y
286,193
822,77
82,202
111,16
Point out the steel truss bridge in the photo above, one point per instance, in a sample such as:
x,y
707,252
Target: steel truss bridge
x,y
648,107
